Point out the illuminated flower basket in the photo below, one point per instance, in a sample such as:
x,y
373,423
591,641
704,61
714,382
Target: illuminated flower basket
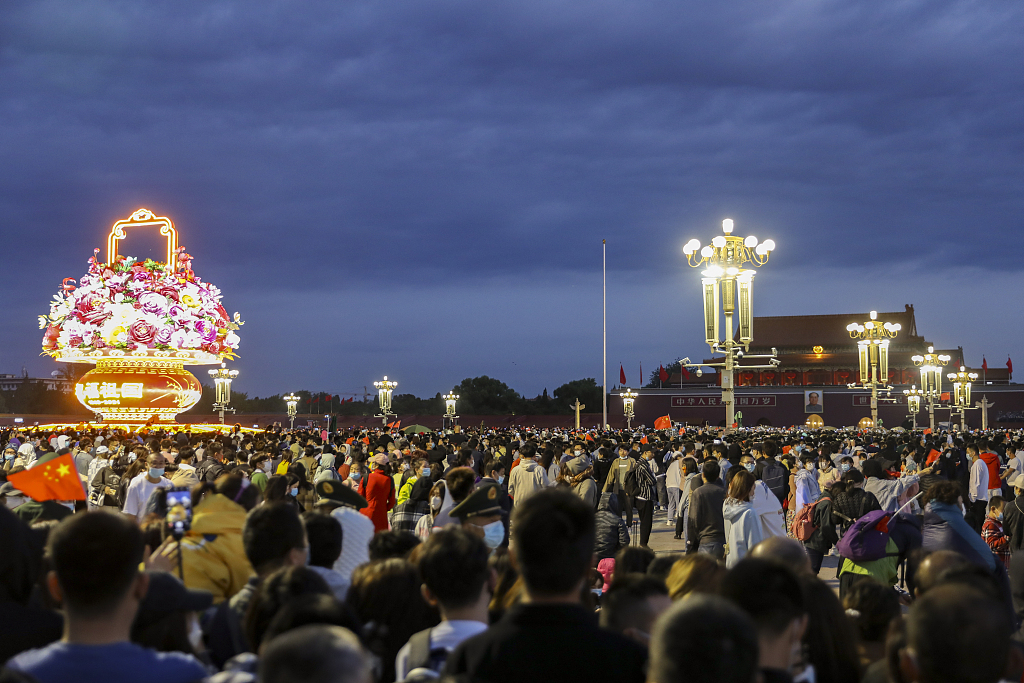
x,y
140,322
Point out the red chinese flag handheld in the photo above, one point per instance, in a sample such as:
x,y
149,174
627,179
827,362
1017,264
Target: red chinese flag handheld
x,y
622,375
663,422
662,373
55,479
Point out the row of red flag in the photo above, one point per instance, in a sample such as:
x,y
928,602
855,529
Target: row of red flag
x,y
662,374
328,397
1009,365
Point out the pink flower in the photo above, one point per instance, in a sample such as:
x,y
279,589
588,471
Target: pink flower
x,y
163,335
154,303
205,330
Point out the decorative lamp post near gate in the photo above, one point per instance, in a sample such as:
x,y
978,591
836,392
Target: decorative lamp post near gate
x,y
725,283
961,393
292,400
873,350
384,390
222,378
449,408
931,365
628,399
913,395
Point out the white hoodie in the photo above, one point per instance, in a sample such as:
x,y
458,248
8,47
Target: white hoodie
x,y
742,530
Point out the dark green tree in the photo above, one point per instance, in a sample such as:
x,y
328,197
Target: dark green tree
x,y
586,390
487,396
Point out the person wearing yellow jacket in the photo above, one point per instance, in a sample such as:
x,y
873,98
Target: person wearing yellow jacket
x,y
212,555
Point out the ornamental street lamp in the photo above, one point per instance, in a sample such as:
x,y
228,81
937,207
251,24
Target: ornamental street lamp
x,y
931,365
873,349
961,393
292,400
725,275
449,408
384,389
913,395
628,399
222,378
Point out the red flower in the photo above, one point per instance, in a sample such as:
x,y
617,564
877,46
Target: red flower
x,y
169,292
212,347
142,332
95,316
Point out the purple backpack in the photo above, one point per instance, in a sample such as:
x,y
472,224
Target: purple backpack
x,y
866,539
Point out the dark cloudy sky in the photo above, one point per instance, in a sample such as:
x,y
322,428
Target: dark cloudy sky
x,y
420,188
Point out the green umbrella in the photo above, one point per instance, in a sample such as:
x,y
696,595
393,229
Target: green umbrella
x,y
415,429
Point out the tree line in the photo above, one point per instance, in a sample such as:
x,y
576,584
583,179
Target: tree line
x,y
477,396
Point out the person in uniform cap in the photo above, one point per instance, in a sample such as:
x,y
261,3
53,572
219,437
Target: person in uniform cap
x,y
332,494
343,503
481,514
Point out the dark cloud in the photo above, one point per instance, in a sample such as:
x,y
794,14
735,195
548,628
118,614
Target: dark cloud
x,y
395,162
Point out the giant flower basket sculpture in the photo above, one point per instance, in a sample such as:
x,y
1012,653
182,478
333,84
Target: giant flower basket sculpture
x,y
140,323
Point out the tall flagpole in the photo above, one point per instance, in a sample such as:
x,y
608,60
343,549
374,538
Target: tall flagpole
x,y
604,326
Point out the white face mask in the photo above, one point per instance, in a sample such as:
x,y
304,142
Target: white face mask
x,y
435,503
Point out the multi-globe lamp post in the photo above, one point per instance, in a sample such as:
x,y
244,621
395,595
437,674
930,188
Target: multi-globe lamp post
x,y
728,285
292,401
931,365
628,402
913,395
222,378
873,350
449,408
385,388
961,394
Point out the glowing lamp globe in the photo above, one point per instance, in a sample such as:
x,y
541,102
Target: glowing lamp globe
x,y
140,322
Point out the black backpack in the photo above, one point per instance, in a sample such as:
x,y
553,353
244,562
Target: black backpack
x,y
630,484
210,469
774,476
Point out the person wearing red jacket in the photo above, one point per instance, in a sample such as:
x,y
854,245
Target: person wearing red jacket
x,y
992,531
994,469
379,491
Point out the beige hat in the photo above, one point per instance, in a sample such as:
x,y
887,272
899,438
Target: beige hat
x,y
1016,482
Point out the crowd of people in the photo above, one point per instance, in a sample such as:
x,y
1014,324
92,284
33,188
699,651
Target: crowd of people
x,y
494,555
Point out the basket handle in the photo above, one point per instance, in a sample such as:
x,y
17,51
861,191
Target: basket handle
x,y
147,218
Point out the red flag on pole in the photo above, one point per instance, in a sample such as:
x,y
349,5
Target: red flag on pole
x,y
316,399
684,371
662,373
984,364
55,479
622,375
641,374
1009,366
328,397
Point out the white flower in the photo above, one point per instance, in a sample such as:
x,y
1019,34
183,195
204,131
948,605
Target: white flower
x,y
232,340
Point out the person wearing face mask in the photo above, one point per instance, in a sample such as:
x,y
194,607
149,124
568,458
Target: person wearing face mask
x,y
992,531
481,514
12,497
10,453
262,466
807,490
144,484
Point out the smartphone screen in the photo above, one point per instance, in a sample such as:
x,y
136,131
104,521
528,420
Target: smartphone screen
x,y
179,510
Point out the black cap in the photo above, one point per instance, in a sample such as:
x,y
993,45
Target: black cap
x,y
167,594
482,502
333,490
